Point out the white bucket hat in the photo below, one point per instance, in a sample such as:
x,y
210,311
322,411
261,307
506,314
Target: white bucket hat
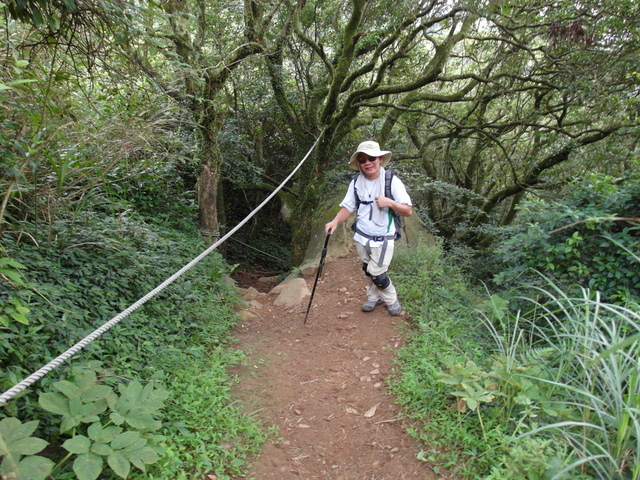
x,y
372,149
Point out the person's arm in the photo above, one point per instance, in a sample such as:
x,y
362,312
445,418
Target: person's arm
x,y
340,217
401,209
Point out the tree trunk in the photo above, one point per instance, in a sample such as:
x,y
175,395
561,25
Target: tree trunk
x,y
209,180
305,206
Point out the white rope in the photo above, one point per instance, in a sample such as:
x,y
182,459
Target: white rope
x,y
13,391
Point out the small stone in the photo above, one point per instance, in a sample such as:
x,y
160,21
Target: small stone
x,y
372,411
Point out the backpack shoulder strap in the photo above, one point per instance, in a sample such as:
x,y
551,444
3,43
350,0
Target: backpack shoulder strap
x,y
355,190
388,176
397,219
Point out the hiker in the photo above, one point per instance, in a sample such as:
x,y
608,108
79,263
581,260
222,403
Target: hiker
x,y
379,198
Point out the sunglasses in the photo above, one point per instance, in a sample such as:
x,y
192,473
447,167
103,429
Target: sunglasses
x,y
363,160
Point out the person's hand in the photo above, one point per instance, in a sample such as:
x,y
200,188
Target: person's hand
x,y
383,202
330,227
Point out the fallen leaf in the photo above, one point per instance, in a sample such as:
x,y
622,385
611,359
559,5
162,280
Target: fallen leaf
x,y
303,425
372,411
351,410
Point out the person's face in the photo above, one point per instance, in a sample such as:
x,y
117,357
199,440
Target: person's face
x,y
369,166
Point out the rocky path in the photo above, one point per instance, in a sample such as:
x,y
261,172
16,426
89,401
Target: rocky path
x,y
324,385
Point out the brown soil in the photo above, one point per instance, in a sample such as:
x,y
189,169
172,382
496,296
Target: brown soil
x,y
324,386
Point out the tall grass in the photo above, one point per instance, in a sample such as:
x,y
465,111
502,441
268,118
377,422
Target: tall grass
x,y
595,370
544,385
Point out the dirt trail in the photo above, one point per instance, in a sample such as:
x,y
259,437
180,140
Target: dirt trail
x,y
323,385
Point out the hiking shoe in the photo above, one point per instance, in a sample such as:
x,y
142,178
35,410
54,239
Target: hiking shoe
x,y
369,305
395,308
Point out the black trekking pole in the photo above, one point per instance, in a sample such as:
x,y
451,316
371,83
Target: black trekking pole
x,y
318,273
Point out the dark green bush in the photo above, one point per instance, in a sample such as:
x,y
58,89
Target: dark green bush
x,y
89,274
582,239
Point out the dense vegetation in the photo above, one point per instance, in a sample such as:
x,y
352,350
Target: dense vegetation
x,y
132,133
535,384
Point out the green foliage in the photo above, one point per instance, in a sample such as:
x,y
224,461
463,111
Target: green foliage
x,y
206,432
107,425
440,302
41,13
123,438
530,459
594,370
18,449
98,265
550,392
581,239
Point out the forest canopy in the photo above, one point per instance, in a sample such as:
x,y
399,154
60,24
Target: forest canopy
x,y
483,104
133,133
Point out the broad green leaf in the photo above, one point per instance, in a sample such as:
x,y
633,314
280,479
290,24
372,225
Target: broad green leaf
x,y
55,403
101,434
96,392
101,449
139,419
88,466
11,274
152,397
148,455
78,444
13,429
124,440
119,464
34,467
135,459
86,380
472,404
20,318
90,411
132,392
70,389
76,407
116,418
138,444
11,263
449,380
27,446
68,422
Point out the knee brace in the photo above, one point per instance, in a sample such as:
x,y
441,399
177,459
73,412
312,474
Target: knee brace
x,y
364,267
381,281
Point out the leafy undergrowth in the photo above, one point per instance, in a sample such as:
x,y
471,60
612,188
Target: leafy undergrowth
x,y
147,399
546,391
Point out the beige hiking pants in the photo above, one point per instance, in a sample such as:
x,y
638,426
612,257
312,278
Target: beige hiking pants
x,y
377,266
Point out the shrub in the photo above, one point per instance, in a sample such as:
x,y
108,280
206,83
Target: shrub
x,y
585,239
